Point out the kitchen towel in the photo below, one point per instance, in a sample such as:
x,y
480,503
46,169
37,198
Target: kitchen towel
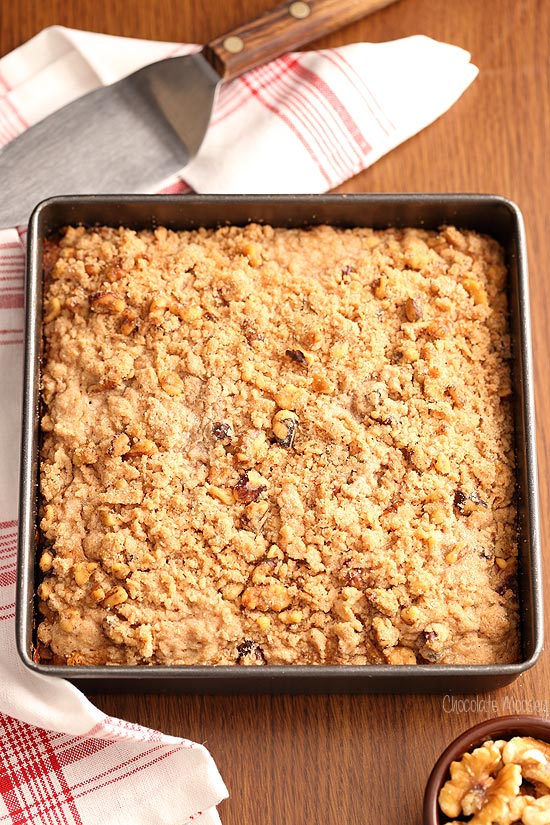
x,y
303,123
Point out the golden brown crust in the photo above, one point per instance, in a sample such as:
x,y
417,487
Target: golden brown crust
x,y
282,446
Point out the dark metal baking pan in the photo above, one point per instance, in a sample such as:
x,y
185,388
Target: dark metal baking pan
x,y
489,214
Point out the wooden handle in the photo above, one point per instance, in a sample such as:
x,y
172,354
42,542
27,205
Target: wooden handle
x,y
280,30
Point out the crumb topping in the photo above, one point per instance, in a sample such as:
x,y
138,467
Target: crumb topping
x,y
275,446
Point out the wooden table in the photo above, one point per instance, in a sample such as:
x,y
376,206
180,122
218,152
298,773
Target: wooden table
x,y
340,760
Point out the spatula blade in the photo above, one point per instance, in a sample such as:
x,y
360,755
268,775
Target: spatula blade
x,y
123,138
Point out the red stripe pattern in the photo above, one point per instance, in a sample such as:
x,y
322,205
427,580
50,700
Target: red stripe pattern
x,y
49,778
304,102
32,782
12,122
12,281
8,552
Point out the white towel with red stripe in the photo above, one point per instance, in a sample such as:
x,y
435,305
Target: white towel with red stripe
x,y
303,123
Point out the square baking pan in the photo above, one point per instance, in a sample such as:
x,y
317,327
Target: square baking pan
x,y
487,214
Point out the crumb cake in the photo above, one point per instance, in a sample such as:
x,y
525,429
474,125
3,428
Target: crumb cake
x,y
276,446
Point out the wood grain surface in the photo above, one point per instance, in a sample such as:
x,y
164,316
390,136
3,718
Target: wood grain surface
x,y
340,760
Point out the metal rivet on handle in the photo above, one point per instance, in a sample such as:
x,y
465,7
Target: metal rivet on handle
x,y
299,10
233,44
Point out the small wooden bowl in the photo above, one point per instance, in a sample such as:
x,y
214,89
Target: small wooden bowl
x,y
502,727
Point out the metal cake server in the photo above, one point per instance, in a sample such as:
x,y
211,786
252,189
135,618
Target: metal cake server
x,y
126,137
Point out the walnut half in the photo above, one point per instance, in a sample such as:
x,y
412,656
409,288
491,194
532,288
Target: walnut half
x,y
471,776
532,755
